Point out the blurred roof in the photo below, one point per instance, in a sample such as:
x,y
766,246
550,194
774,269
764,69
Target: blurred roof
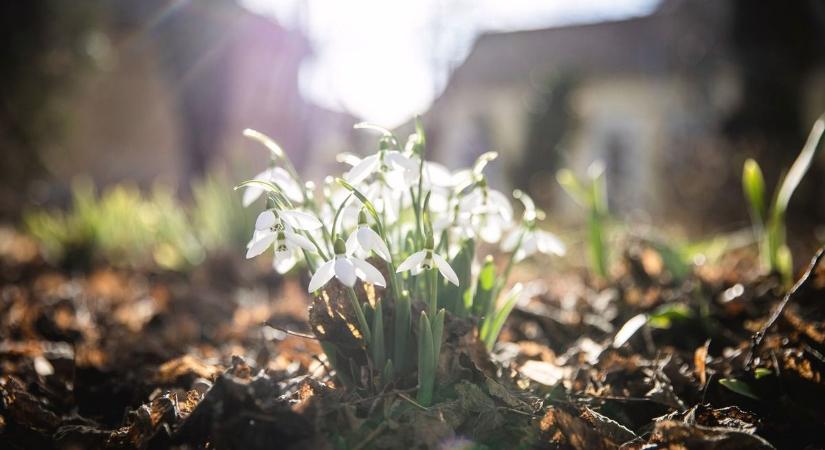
x,y
675,35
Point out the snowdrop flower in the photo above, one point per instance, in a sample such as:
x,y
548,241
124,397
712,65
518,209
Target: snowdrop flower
x,y
398,170
346,269
366,239
279,177
268,231
533,241
490,211
427,259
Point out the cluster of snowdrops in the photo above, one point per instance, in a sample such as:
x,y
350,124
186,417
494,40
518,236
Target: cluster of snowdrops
x,y
408,228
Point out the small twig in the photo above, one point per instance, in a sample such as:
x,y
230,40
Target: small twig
x,y
294,333
415,403
759,336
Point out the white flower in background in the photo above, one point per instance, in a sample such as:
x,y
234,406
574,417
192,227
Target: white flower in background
x,y
366,239
533,241
279,177
346,269
490,212
387,200
399,171
427,259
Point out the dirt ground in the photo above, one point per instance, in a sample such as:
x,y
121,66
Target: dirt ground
x,y
224,358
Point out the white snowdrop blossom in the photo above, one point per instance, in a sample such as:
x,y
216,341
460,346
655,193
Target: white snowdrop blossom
x,y
269,230
490,212
346,269
425,260
398,171
533,241
366,239
279,177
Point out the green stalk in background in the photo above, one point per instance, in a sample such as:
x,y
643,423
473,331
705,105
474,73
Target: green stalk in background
x,y
592,197
769,225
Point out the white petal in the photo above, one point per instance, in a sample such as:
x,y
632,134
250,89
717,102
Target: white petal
x,y
491,229
347,158
251,194
322,275
345,271
399,180
509,242
370,240
368,273
549,243
437,174
352,243
445,269
259,246
471,201
412,261
299,241
502,204
402,161
300,219
288,184
284,261
265,220
362,170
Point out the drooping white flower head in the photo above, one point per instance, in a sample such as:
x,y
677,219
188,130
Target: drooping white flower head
x,y
346,269
533,241
269,231
397,170
489,210
364,239
427,259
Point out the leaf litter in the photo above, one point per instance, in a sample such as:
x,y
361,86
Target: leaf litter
x,y
715,359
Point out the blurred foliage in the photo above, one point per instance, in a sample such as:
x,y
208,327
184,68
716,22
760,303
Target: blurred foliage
x,y
127,228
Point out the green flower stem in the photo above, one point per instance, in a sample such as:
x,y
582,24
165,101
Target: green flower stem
x,y
317,247
432,286
510,263
359,314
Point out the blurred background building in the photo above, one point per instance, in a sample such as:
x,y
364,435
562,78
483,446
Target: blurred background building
x,y
672,95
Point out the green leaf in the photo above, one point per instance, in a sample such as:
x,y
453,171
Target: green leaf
x,y
799,167
784,264
426,361
568,181
482,301
510,301
438,331
753,183
363,198
665,315
374,127
402,332
761,372
273,147
739,387
378,354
